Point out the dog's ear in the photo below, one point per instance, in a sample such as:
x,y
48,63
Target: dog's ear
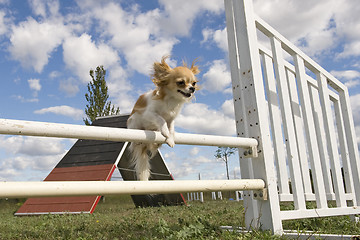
x,y
195,69
161,71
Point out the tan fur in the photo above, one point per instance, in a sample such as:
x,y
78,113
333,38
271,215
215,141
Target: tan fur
x,y
140,105
157,109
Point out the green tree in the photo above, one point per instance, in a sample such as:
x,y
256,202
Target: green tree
x,y
224,153
97,97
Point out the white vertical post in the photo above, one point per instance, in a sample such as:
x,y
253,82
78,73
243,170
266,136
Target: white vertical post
x,y
349,184
299,129
288,123
351,141
213,195
320,133
251,113
275,119
331,140
310,132
219,195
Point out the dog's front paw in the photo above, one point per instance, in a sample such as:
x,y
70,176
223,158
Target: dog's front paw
x,y
170,141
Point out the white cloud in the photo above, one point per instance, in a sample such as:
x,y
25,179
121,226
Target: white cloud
x,y
348,26
180,15
17,167
33,146
201,159
33,42
120,89
350,49
45,8
34,84
316,26
64,110
143,42
357,131
350,77
20,154
355,106
25,100
219,37
217,78
7,173
194,151
69,87
4,23
228,108
82,54
200,118
305,17
187,164
55,74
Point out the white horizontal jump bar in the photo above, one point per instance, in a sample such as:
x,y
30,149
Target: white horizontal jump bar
x,y
44,129
89,188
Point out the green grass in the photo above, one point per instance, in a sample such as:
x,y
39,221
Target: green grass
x,y
117,218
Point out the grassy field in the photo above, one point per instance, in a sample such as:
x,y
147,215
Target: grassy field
x,y
117,218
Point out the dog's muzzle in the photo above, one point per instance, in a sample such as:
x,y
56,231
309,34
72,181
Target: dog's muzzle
x,y
186,94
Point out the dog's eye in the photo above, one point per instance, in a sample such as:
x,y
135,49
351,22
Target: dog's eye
x,y
194,83
181,83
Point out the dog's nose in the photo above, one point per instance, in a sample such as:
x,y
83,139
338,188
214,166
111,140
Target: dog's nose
x,y
192,89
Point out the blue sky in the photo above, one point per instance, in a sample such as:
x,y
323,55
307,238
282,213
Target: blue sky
x,y
47,48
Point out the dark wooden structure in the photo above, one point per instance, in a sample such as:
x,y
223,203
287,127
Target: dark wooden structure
x,y
92,160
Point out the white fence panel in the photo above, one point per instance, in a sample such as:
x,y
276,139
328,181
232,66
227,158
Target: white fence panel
x,y
327,129
310,119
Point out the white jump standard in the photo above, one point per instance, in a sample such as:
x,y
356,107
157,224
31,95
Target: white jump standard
x,y
296,133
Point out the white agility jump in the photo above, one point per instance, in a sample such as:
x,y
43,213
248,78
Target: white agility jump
x,y
294,127
89,188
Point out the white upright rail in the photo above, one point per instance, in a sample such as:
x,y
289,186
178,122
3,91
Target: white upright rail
x,y
89,188
311,129
251,114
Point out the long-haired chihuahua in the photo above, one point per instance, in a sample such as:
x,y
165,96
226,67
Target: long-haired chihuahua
x,y
156,110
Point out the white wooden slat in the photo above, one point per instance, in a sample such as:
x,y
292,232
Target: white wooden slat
x,y
275,119
349,185
351,141
313,147
256,113
312,197
321,140
299,130
247,56
292,50
331,139
311,213
291,68
246,167
288,123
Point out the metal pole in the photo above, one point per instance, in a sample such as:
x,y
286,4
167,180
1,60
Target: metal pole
x,y
88,188
44,129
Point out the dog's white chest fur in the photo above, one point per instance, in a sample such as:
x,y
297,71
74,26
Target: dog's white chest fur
x,y
167,109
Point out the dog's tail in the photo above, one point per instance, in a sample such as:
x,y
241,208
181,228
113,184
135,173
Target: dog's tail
x,y
141,153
